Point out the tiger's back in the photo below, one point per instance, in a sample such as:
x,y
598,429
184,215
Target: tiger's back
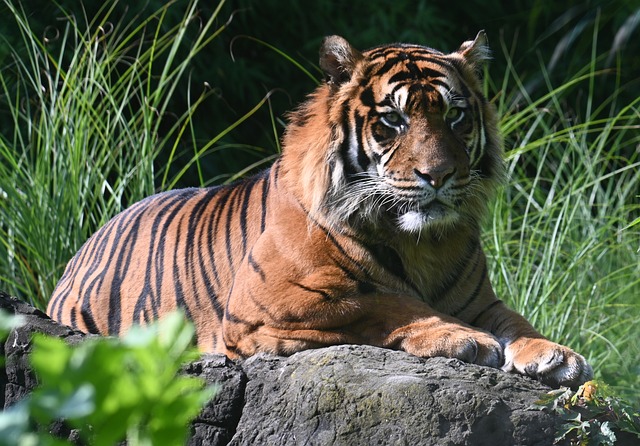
x,y
164,252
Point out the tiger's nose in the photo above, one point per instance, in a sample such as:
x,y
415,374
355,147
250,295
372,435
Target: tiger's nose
x,y
436,176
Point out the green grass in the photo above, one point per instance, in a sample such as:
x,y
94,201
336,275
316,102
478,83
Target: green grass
x,y
88,119
85,118
564,237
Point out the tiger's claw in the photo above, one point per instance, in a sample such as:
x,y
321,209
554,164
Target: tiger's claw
x,y
548,362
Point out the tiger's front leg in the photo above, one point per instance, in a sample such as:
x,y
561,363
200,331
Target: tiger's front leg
x,y
529,353
547,361
291,315
416,328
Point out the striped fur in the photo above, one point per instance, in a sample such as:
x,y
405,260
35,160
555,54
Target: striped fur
x,y
365,231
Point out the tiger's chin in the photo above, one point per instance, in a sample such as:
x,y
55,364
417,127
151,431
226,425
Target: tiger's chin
x,y
436,216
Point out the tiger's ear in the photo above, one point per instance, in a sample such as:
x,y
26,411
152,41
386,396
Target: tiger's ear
x,y
338,59
476,52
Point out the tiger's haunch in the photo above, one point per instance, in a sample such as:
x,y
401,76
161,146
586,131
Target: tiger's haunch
x,y
365,230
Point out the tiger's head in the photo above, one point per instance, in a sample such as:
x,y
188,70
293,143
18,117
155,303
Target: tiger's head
x,y
399,137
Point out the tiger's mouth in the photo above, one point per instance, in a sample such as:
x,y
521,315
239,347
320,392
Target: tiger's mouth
x,y
416,217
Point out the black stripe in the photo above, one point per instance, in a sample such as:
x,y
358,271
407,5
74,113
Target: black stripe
x,y
394,150
497,329
180,297
231,317
415,73
192,248
206,259
217,214
232,207
347,272
474,295
164,202
196,266
95,249
83,257
275,168
157,246
148,292
211,230
122,264
233,348
198,227
362,158
389,259
389,64
246,199
74,318
324,294
454,277
417,52
345,147
414,70
441,83
475,265
431,73
263,199
256,267
363,270
476,154
401,76
434,57
122,249
386,102
89,321
367,98
487,308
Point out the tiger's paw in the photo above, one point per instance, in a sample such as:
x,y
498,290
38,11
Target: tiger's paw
x,y
454,341
548,362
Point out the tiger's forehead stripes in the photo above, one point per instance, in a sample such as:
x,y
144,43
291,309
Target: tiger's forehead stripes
x,y
385,51
392,56
415,77
413,94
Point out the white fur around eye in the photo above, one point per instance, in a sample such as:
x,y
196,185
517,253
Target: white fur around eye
x,y
394,120
454,115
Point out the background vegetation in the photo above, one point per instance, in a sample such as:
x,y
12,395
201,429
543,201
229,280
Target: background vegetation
x,y
104,103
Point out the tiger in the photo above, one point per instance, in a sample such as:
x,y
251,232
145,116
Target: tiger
x,y
365,230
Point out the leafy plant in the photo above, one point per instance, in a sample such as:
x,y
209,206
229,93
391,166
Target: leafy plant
x,y
112,389
592,415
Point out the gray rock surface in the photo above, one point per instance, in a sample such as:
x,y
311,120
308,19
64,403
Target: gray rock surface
x,y
341,395
359,395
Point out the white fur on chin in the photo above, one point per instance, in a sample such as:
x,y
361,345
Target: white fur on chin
x,y
416,221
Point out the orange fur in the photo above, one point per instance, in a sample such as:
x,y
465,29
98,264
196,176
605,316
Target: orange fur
x,y
365,231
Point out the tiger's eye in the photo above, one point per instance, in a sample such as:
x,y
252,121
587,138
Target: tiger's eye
x,y
393,119
454,113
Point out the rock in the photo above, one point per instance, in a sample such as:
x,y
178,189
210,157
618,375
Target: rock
x,y
217,422
17,378
361,395
340,395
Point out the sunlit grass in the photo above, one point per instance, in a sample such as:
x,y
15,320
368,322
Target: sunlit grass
x,y
562,237
86,115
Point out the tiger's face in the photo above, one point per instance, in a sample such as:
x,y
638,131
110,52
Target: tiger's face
x,y
418,145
